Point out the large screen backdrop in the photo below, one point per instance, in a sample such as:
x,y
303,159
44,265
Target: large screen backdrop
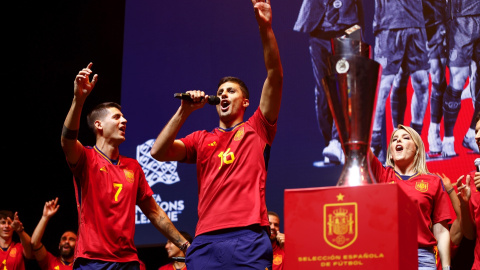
x,y
176,46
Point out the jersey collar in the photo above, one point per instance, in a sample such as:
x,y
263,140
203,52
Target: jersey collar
x,y
112,161
231,128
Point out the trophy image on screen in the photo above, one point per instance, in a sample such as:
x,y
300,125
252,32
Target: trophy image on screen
x,y
351,85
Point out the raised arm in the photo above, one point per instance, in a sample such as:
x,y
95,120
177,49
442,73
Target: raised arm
x,y
82,87
455,229
24,237
39,251
467,223
166,147
272,88
161,221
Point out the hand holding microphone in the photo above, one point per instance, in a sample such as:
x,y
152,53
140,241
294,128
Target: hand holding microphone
x,y
212,100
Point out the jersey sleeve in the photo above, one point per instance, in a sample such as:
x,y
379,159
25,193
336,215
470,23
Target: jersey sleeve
x,y
78,168
191,143
378,171
264,129
441,210
45,263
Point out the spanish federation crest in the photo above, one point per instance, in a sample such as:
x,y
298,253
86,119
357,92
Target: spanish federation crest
x,y
421,186
239,134
129,175
277,259
13,252
340,224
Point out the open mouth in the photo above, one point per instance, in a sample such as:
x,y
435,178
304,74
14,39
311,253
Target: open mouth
x,y
398,148
225,104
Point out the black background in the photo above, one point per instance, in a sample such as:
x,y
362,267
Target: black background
x,y
47,43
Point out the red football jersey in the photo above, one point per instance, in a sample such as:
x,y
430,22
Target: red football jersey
x,y
231,173
54,263
474,204
427,192
106,198
170,266
12,258
278,257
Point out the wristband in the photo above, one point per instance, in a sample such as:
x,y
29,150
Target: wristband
x,y
37,249
184,246
450,191
446,267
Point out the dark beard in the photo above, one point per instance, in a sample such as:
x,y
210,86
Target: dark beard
x,y
66,253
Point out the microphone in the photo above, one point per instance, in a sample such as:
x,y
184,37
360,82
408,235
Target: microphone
x,y
212,100
477,166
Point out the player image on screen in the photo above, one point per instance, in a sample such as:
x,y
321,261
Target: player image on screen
x,y
400,39
464,47
324,20
434,13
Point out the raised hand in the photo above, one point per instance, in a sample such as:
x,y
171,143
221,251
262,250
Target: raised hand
x,y
263,12
16,223
464,191
281,239
446,181
50,208
82,85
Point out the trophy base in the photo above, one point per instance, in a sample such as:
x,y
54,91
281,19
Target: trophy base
x,y
350,228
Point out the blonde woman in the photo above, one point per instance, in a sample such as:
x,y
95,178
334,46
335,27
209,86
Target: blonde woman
x,y
406,167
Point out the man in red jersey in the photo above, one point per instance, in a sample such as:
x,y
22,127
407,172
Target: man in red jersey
x,y
12,254
470,203
108,186
278,241
66,246
231,164
173,251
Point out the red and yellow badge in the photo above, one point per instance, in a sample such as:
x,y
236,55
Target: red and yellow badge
x,y
277,259
129,175
13,252
421,186
340,226
239,135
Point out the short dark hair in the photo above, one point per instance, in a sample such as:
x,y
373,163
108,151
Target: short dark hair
x,y
99,112
187,236
477,117
72,231
4,214
236,80
271,213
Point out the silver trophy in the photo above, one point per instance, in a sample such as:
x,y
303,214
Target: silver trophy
x,y
351,85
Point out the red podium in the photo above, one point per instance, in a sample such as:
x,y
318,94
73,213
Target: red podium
x,y
363,227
